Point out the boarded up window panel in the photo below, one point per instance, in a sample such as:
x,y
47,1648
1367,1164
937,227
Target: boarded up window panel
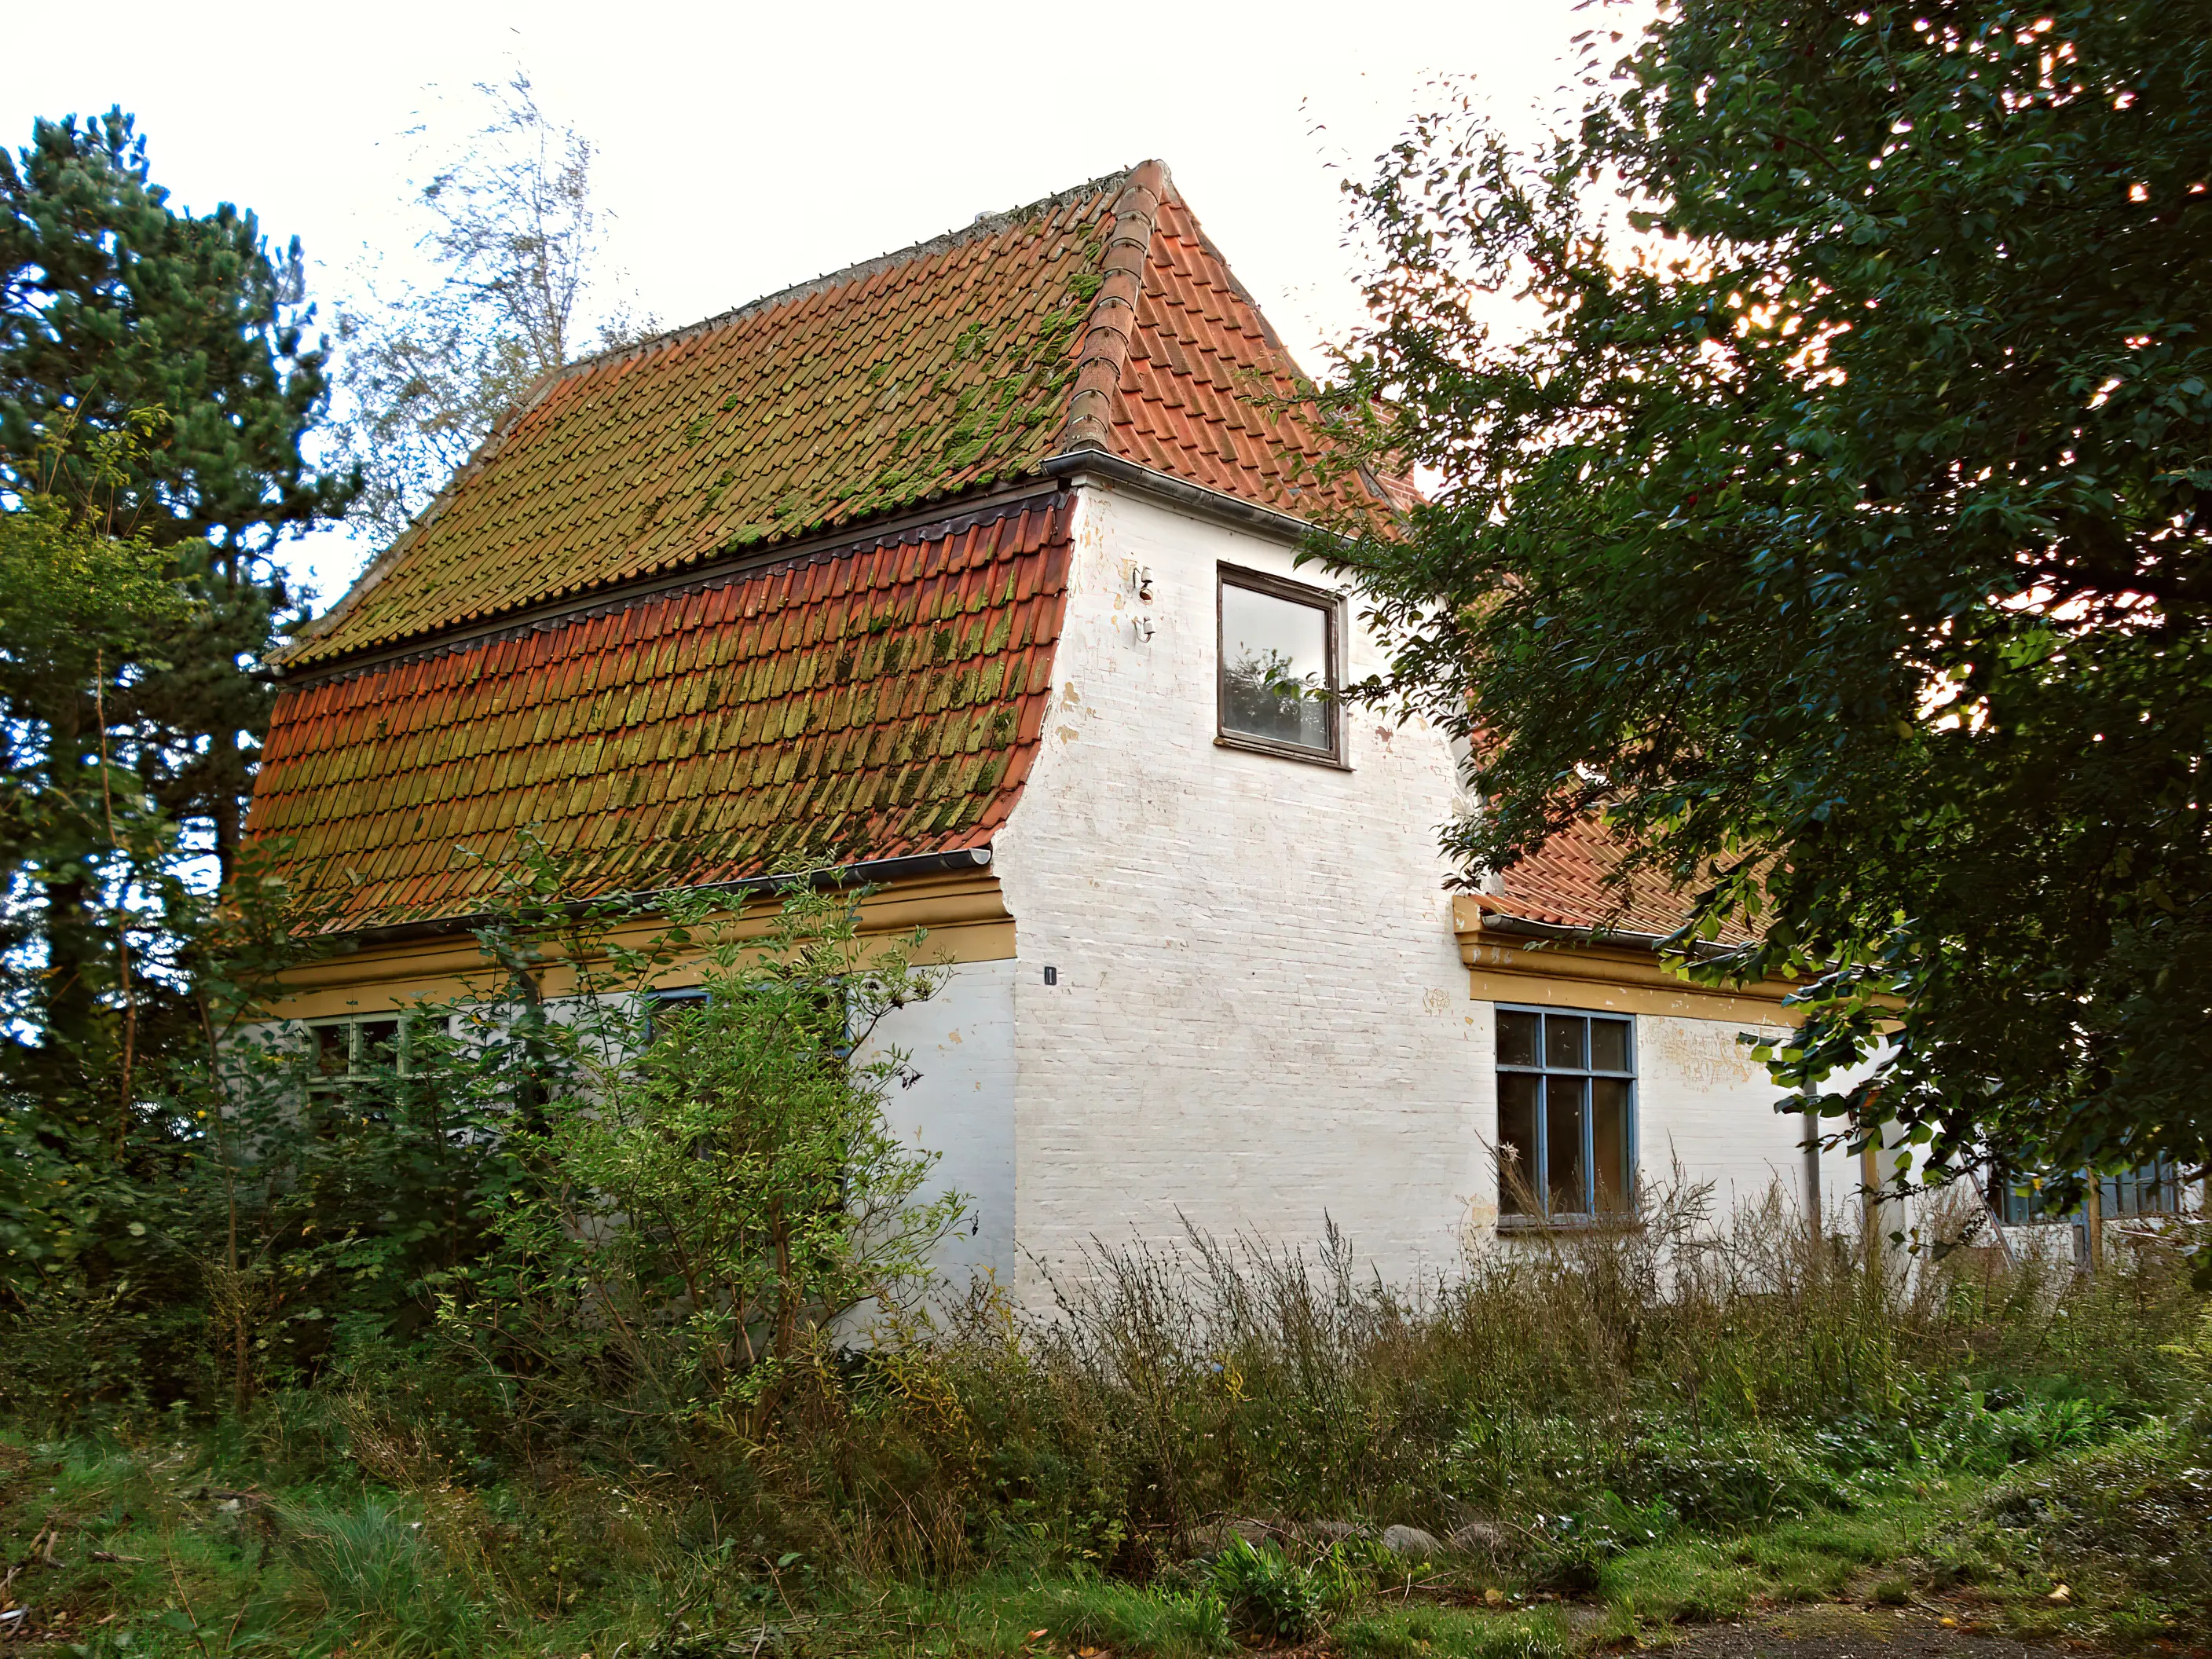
x,y
1608,1041
1517,1038
1609,1121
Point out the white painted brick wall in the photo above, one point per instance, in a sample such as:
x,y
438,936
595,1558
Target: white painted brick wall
x,y
1706,1103
960,1047
1261,1018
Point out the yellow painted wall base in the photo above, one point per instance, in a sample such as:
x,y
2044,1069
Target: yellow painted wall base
x,y
964,915
1502,968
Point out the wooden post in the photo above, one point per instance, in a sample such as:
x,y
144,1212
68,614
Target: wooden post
x,y
1812,1216
1870,1221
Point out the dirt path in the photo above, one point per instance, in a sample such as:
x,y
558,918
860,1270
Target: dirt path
x,y
1850,1632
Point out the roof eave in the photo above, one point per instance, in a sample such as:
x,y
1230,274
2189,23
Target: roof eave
x,y
864,872
1076,466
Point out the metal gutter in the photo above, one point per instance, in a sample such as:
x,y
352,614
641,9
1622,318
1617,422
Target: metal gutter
x,y
1077,464
1558,932
864,872
1521,927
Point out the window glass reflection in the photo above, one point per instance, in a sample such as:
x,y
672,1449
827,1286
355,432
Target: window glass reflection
x,y
1275,676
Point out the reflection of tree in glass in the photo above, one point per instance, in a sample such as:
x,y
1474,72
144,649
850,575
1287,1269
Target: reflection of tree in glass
x,y
1261,695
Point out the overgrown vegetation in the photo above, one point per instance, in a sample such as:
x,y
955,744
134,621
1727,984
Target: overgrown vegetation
x,y
1218,1446
559,1316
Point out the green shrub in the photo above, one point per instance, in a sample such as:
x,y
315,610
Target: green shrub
x,y
365,1566
1265,1593
2136,1510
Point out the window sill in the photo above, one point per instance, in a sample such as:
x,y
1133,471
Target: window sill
x,y
1280,750
1570,1224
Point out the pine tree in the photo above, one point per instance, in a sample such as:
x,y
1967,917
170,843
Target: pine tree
x,y
112,304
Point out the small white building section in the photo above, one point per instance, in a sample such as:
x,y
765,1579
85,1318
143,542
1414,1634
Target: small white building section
x,y
1244,1000
1258,1022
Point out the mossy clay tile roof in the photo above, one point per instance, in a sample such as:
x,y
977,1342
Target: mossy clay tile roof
x,y
1571,881
872,701
787,581
1102,318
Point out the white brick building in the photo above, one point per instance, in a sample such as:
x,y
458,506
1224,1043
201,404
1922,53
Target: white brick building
x,y
972,570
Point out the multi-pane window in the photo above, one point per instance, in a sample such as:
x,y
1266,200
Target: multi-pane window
x,y
356,1051
1567,1114
662,1009
821,1007
1278,674
2153,1188
358,1065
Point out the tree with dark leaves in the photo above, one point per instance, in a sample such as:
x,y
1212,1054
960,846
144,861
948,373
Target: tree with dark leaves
x,y
1839,529
112,303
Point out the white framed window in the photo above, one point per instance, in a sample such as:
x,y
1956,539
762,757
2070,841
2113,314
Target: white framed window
x,y
1566,1115
357,1049
1280,678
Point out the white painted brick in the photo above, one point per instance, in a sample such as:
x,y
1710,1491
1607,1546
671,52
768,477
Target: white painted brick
x,y
1261,1018
959,1047
1263,1021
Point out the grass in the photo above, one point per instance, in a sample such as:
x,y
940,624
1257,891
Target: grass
x,y
153,1555
1634,1433
1447,1633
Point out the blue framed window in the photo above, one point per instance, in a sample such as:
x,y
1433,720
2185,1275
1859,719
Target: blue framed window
x,y
1567,1114
2153,1188
663,1007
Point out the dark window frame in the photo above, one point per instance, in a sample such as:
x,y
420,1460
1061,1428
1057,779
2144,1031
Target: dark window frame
x,y
697,996
1539,1179
674,999
1330,603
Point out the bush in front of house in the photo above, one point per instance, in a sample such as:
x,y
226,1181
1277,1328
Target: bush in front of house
x,y
589,1302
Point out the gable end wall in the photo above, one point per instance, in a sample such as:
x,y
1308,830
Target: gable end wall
x,y
1260,1022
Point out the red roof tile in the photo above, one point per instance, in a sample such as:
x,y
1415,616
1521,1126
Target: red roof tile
x,y
1571,882
1102,317
499,671
683,738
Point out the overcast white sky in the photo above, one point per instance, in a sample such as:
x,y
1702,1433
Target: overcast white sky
x,y
744,147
